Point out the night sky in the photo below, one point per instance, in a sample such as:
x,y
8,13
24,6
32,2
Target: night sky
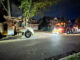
x,y
67,8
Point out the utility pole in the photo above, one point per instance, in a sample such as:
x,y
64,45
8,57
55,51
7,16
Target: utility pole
x,y
9,11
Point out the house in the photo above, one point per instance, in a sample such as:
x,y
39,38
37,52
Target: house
x,y
47,23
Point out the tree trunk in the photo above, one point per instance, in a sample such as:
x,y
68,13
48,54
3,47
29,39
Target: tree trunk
x,y
26,20
28,14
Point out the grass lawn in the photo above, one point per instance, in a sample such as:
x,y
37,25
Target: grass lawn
x,y
72,57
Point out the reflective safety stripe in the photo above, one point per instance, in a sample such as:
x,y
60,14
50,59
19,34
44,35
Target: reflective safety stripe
x,y
4,33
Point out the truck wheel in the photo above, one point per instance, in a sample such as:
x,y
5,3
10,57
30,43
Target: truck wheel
x,y
28,34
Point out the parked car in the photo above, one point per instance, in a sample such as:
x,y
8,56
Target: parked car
x,y
68,30
69,27
58,29
76,28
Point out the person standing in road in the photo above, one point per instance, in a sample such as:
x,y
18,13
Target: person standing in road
x,y
15,32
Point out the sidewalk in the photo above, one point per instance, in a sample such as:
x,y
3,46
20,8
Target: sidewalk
x,y
10,37
37,35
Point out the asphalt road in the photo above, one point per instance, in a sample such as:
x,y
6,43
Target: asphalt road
x,y
39,48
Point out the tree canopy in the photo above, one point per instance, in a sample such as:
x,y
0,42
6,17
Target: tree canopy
x,y
33,7
78,20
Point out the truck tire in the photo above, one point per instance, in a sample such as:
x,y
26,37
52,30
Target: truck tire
x,y
28,34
